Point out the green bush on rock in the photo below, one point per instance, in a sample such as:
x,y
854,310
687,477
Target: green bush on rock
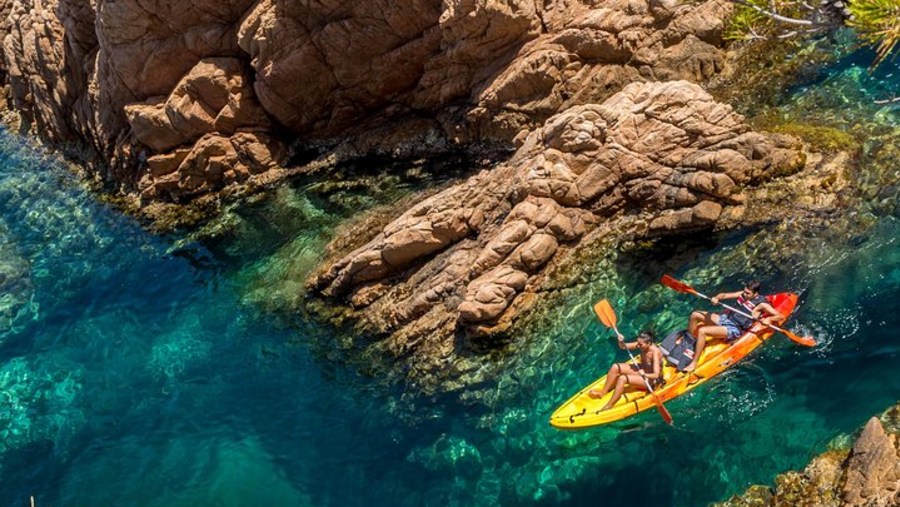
x,y
878,24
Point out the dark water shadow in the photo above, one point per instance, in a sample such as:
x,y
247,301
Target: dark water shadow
x,y
879,79
44,467
642,265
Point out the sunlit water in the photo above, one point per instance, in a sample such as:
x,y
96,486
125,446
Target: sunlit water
x,y
139,370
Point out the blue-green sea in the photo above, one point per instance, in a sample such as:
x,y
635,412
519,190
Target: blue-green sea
x,y
146,370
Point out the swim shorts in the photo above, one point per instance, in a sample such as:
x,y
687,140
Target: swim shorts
x,y
733,330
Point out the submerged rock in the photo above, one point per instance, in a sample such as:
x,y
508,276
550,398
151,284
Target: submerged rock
x,y
40,403
16,287
868,474
654,159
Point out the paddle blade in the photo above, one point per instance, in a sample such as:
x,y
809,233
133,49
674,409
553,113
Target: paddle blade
x,y
806,341
680,286
663,411
605,313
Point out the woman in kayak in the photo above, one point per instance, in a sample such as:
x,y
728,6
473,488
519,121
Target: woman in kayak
x,y
729,325
625,374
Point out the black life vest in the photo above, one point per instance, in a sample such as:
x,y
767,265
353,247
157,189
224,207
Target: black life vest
x,y
678,349
747,305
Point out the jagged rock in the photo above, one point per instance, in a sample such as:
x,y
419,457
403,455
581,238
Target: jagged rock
x,y
42,86
873,469
468,253
211,130
589,51
74,65
491,293
868,475
700,216
212,163
215,96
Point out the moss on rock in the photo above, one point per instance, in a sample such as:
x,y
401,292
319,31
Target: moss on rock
x,y
825,139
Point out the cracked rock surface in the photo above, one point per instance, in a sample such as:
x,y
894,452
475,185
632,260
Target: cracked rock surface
x,y
159,90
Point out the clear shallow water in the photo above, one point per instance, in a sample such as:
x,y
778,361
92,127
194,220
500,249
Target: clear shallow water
x,y
137,370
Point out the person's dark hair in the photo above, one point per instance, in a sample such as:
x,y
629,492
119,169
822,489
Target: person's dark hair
x,y
753,285
647,335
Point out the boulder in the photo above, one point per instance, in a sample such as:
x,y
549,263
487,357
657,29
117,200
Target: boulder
x,y
213,162
872,476
215,96
75,65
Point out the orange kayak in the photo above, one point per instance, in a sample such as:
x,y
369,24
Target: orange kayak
x,y
582,411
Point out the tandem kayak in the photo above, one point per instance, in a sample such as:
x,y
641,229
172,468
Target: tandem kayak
x,y
581,411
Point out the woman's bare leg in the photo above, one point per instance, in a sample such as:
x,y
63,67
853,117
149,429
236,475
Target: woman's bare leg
x,y
611,377
621,382
625,379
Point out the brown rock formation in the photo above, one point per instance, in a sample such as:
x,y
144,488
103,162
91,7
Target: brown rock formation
x,y
136,80
73,66
465,256
588,51
513,63
43,84
213,108
867,475
872,477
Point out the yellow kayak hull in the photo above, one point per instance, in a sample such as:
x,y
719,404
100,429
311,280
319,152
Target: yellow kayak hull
x,y
582,411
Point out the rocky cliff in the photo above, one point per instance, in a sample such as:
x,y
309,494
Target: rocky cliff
x,y
179,100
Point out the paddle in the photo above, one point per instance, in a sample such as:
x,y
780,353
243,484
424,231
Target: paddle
x,y
607,316
680,286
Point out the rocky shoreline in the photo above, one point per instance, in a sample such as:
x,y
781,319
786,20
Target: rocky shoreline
x,y
615,138
656,159
865,474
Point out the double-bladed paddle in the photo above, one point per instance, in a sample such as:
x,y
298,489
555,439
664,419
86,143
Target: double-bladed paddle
x,y
680,286
607,316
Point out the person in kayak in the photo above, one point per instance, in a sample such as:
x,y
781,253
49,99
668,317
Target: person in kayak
x,y
729,325
625,374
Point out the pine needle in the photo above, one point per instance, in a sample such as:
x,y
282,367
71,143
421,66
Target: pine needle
x,y
877,22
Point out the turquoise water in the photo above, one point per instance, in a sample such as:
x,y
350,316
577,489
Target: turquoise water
x,y
144,370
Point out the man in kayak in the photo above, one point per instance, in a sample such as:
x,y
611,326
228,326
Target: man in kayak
x,y
624,374
729,325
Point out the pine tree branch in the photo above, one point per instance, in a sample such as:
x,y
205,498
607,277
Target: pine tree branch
x,y
774,15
